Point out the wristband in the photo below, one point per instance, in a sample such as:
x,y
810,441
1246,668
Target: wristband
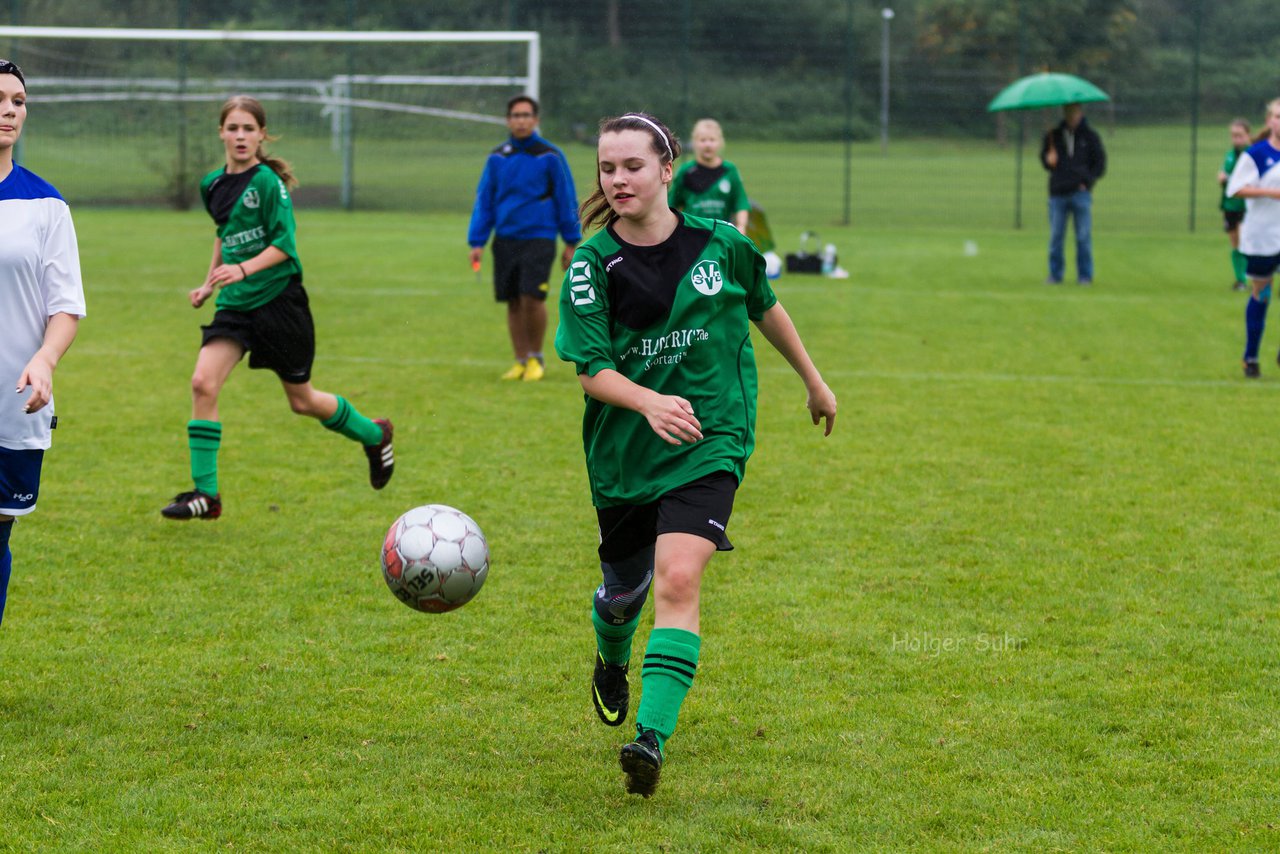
x,y
243,274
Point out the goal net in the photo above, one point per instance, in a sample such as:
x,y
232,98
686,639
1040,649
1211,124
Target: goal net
x,y
376,120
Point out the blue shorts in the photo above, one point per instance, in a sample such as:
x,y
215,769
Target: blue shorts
x,y
1262,266
19,481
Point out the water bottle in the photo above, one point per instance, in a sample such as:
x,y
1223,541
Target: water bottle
x,y
828,259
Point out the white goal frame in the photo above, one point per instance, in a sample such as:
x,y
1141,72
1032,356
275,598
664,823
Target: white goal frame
x,y
333,93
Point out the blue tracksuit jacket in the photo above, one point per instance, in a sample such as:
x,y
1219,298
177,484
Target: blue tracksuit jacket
x,y
525,192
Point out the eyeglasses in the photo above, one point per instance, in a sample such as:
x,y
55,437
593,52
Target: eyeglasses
x,y
7,67
521,116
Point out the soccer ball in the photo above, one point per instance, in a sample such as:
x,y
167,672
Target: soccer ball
x,y
435,558
772,265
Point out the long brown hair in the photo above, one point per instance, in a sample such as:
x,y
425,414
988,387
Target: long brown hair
x,y
596,211
253,107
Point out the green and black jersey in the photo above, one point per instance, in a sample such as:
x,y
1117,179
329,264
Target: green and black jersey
x,y
673,318
252,210
1225,202
717,193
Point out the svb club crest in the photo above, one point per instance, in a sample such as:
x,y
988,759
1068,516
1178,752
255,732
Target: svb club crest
x,y
706,278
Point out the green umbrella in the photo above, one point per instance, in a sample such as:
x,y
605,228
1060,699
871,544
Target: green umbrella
x,y
1046,90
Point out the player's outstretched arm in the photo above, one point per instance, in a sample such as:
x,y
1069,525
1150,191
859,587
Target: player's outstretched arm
x,y
671,417
781,333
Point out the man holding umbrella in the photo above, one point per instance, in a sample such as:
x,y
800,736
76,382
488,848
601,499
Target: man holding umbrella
x,y
1073,154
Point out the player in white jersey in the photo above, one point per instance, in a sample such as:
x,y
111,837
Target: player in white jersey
x,y
1256,179
41,303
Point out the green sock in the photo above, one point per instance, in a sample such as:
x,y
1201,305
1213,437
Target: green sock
x,y
1239,263
352,424
670,661
614,642
203,438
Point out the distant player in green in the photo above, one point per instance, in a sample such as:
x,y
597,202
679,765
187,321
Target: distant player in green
x,y
262,309
654,314
709,185
1232,207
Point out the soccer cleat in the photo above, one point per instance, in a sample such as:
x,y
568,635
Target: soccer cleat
x,y
610,692
1251,370
641,761
193,505
533,371
1052,281
514,372
382,459
1084,282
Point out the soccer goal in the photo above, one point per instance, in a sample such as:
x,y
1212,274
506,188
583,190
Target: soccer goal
x,y
369,120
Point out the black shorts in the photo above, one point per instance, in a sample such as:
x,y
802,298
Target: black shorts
x,y
701,507
522,267
279,335
19,481
1231,220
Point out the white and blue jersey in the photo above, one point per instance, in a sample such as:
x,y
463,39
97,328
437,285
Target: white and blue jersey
x,y
1258,166
39,277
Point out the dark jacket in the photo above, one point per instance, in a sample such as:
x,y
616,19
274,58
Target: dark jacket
x,y
525,192
1084,162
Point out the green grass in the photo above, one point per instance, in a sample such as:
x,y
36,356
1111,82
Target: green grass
x,y
1023,598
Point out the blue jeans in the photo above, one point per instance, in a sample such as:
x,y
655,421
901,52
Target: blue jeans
x,y
1080,205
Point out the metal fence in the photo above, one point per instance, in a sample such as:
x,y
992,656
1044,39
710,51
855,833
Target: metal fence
x,y
870,84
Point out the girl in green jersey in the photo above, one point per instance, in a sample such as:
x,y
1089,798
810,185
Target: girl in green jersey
x,y
262,309
1233,208
655,312
709,185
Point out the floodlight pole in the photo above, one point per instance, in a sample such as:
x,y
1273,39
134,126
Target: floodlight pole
x,y
886,15
1195,115
14,17
848,112
1022,122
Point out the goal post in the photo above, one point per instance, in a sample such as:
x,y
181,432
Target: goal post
x,y
365,97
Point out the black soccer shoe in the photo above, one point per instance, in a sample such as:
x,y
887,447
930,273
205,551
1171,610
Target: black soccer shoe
x,y
1251,370
193,505
641,761
382,459
610,691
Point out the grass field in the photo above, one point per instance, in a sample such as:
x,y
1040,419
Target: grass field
x,y
1023,598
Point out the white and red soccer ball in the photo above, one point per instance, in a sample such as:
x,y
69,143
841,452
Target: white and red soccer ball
x,y
435,558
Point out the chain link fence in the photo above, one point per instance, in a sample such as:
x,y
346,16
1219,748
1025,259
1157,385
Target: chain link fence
x,y
829,106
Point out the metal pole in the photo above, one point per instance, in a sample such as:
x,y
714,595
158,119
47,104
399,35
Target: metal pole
x,y
686,36
15,18
886,15
1022,120
179,188
1195,114
347,189
848,113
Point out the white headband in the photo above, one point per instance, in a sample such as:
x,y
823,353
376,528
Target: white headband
x,y
653,125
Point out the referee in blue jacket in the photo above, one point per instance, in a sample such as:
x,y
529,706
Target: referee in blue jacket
x,y
525,199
